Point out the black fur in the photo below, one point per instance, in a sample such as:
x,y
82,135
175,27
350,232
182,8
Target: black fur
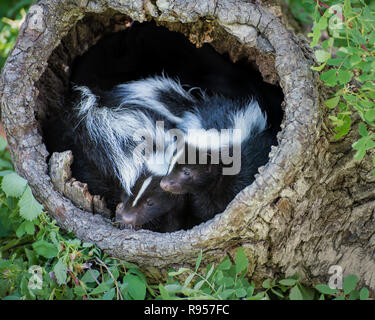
x,y
210,190
156,210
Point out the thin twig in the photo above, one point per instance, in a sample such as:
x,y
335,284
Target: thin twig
x,y
118,292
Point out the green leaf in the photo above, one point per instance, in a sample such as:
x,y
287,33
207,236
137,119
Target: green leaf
x,y
226,294
344,76
295,294
199,284
79,291
240,293
364,294
90,276
13,185
288,282
329,77
325,289
225,264
29,207
319,68
60,269
362,145
266,284
344,127
370,115
334,62
103,287
189,279
259,296
307,293
3,144
25,227
173,288
332,103
20,231
350,282
363,130
354,295
322,55
164,293
110,294
241,261
29,227
136,287
277,292
228,282
178,272
210,271
45,249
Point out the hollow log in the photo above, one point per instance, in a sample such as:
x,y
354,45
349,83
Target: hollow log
x,y
311,206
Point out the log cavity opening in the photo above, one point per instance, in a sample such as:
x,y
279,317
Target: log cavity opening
x,y
113,45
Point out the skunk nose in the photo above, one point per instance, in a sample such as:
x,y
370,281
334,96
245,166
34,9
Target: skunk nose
x,y
165,185
128,218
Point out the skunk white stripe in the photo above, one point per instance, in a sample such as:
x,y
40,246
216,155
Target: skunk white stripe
x,y
249,121
241,125
175,159
144,187
191,121
144,93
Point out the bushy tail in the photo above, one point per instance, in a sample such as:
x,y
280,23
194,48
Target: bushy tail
x,y
110,132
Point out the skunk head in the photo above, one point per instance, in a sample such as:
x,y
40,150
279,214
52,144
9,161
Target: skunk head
x,y
147,204
183,177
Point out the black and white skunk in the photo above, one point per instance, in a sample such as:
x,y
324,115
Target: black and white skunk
x,y
110,126
212,185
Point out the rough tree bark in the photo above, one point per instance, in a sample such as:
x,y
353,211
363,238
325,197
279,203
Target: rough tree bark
x,y
311,206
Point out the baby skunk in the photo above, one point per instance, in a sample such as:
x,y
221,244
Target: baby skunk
x,y
150,207
210,189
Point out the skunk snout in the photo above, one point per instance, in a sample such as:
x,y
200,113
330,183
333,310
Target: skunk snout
x,y
170,186
165,185
127,218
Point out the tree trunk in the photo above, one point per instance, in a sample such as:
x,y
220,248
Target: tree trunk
x,y
311,206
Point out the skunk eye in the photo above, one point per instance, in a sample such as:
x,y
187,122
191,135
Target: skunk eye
x,y
149,203
186,172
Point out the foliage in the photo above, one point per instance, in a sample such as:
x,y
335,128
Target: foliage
x,y
12,14
228,281
302,10
345,31
39,261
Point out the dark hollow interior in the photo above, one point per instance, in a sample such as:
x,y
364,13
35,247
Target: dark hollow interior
x,y
104,50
